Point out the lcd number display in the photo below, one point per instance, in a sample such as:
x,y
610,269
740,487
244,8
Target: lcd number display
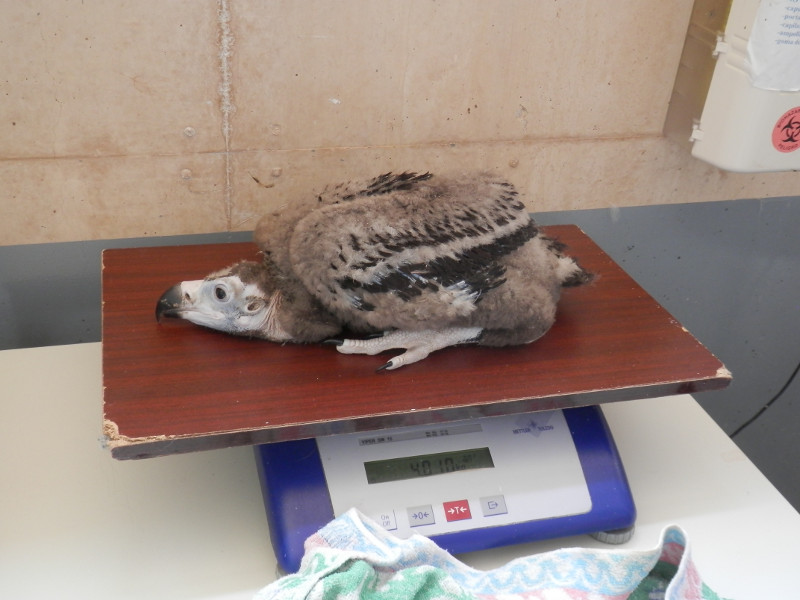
x,y
426,465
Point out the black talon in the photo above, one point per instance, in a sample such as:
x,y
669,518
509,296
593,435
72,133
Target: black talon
x,y
333,342
384,366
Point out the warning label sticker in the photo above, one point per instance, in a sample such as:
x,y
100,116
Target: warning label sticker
x,y
786,133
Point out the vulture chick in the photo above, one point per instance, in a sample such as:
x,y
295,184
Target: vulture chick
x,y
411,261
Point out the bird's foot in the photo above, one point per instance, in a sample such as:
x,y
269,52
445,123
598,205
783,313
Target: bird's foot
x,y
418,344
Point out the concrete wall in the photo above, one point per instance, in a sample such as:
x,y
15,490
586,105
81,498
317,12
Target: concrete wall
x,y
128,119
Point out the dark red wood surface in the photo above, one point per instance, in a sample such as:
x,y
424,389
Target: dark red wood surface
x,y
176,387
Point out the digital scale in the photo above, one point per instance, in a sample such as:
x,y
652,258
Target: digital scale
x,y
467,480
467,485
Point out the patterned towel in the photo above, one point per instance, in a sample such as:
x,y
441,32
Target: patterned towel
x,y
354,558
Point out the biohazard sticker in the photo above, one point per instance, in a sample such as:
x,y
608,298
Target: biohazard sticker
x,y
786,133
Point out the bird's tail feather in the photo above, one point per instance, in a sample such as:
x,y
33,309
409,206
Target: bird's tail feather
x,y
571,274
575,275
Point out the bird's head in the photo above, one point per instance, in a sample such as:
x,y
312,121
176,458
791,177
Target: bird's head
x,y
238,300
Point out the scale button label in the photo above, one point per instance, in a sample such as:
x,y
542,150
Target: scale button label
x,y
387,520
493,505
457,510
420,515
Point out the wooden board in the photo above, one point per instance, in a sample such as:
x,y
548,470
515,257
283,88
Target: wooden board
x,y
175,387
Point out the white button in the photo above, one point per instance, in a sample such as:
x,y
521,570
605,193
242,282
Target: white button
x,y
420,515
493,505
386,519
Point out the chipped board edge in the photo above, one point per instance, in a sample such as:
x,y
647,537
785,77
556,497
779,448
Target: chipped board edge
x,y
129,448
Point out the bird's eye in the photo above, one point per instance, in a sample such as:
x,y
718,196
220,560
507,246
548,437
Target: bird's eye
x,y
221,293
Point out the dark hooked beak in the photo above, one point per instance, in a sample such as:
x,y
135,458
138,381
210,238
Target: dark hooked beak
x,y
170,303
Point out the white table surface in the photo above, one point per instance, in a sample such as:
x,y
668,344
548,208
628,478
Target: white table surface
x,y
75,523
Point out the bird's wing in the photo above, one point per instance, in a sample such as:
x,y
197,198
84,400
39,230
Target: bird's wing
x,y
415,243
274,231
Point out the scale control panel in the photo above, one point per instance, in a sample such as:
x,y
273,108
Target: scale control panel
x,y
454,510
468,485
458,476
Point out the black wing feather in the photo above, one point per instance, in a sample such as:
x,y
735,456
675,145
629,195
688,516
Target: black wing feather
x,y
389,182
476,270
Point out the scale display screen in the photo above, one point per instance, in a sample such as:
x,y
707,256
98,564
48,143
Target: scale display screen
x,y
426,465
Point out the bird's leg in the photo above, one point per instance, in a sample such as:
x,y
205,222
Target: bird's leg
x,y
418,344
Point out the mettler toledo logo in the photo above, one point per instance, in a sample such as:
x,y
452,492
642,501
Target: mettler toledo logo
x,y
786,133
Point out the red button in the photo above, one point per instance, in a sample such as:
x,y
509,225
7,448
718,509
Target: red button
x,y
458,510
